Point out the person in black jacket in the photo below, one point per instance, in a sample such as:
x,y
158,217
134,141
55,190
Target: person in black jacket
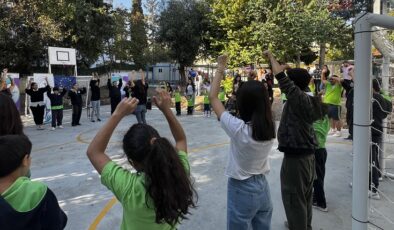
x,y
114,92
24,204
95,98
381,107
297,141
76,100
57,106
140,91
37,104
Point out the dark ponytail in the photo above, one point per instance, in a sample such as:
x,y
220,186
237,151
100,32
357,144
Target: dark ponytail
x,y
168,183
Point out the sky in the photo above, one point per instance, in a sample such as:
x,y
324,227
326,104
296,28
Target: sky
x,y
123,3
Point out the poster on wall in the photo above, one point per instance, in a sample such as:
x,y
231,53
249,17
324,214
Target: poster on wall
x,y
122,75
65,82
39,78
14,89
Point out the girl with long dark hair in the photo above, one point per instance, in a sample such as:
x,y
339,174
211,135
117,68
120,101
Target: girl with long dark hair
x,y
37,104
140,91
252,136
160,194
11,123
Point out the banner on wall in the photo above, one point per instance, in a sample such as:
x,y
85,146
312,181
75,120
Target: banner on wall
x,y
39,78
65,82
122,75
14,89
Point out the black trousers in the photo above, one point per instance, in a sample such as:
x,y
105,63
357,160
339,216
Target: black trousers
x,y
296,177
114,104
77,112
38,114
190,110
374,160
178,108
317,85
349,120
318,184
57,117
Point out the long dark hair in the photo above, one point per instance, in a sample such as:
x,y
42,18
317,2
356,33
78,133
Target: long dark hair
x,y
10,119
167,182
254,107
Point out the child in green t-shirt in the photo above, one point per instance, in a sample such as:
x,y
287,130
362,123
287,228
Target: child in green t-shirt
x,y
321,128
160,194
222,95
24,204
207,104
190,105
178,100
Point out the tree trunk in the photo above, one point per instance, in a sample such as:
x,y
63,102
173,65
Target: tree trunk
x,y
322,55
183,75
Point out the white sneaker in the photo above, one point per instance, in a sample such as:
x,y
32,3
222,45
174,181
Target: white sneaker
x,y
373,195
53,129
60,127
351,184
337,134
331,132
380,178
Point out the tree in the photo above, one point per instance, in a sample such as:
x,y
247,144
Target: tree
x,y
139,41
181,31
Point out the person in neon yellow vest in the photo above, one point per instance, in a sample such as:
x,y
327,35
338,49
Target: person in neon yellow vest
x,y
178,100
332,97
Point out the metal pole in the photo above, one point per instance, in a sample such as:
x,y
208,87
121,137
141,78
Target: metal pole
x,y
385,87
362,121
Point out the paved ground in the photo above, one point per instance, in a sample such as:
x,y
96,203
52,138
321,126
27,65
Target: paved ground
x,y
59,160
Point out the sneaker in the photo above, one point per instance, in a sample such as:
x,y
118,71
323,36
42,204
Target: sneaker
x,y
79,124
98,119
331,132
351,184
53,129
373,195
320,208
60,127
337,134
40,127
380,178
93,121
349,138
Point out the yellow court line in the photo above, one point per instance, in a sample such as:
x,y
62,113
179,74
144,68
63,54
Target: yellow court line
x,y
102,214
113,201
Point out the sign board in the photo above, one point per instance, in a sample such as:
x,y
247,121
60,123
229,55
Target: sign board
x,y
62,56
39,78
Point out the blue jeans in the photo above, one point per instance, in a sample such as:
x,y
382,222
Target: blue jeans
x,y
140,114
249,204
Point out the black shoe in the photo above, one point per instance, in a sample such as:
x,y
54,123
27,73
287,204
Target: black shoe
x,y
350,138
79,124
98,119
73,125
93,121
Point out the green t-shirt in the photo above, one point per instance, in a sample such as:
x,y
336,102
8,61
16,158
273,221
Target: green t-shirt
x,y
333,94
177,96
321,128
222,96
206,100
312,88
190,101
24,195
129,189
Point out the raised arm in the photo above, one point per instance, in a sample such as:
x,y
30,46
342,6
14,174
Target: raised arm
x,y
163,102
215,87
276,67
109,83
96,149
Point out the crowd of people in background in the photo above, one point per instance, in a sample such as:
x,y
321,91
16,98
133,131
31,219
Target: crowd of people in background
x,y
311,112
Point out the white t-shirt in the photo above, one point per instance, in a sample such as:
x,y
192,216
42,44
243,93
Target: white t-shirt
x,y
247,157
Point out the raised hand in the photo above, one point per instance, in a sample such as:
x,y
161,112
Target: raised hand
x,y
222,60
126,106
163,102
267,53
